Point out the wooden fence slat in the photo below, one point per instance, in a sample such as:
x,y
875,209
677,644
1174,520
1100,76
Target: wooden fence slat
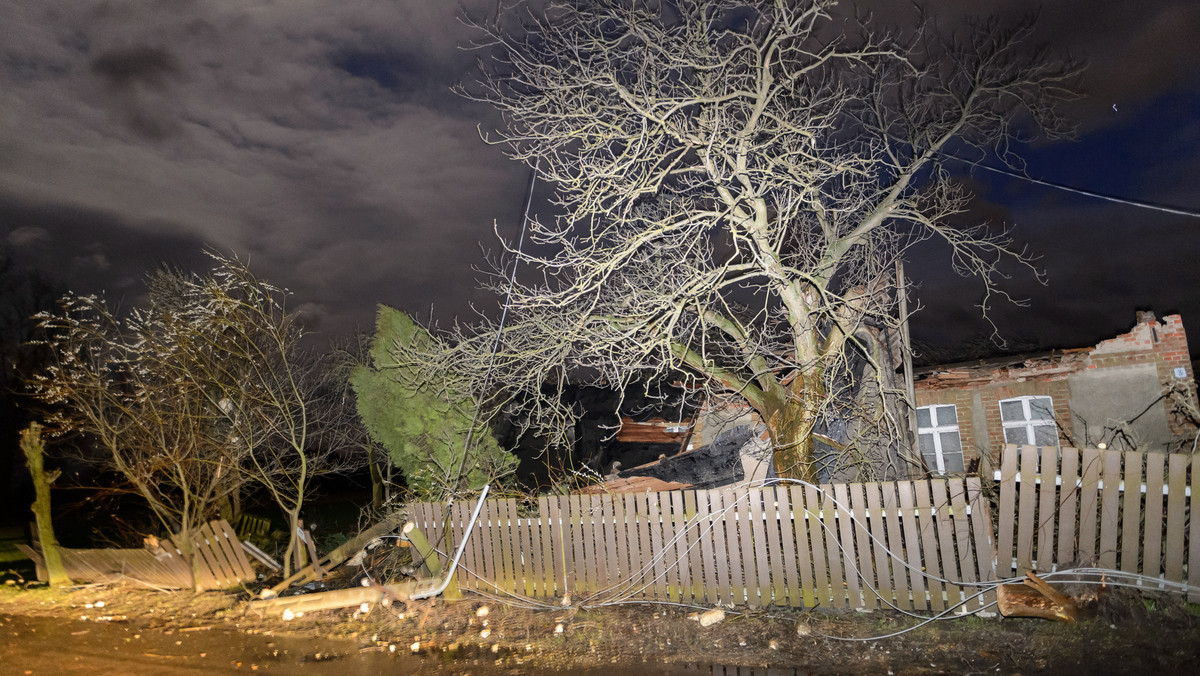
x,y
962,538
593,543
895,542
737,586
242,567
677,558
1068,500
530,559
620,534
1131,515
560,542
706,536
1152,538
1005,546
631,558
579,542
654,517
788,550
1110,507
716,512
488,530
645,550
981,521
775,518
1088,505
745,523
877,528
863,549
941,503
464,577
845,545
1047,509
612,526
810,533
927,520
692,538
437,531
912,543
224,567
830,532
1176,502
208,571
1194,536
760,595
512,547
536,565
682,555
1026,508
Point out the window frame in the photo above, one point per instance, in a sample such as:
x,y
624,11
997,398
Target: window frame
x,y
1028,423
935,431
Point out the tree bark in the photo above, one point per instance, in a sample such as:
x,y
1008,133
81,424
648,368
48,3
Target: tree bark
x,y
31,444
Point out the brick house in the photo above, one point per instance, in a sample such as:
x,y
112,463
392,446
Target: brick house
x,y
1112,395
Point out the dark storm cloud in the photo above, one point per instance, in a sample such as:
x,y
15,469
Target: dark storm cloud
x,y
320,141
122,68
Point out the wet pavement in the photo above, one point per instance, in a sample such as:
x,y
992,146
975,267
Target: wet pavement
x,y
43,645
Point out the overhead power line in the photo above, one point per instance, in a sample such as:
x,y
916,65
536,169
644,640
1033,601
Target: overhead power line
x,y
1179,211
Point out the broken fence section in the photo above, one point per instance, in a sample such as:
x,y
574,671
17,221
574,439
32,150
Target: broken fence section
x,y
219,562
907,544
1123,510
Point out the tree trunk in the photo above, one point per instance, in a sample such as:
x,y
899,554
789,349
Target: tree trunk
x,y
790,420
31,444
294,552
376,477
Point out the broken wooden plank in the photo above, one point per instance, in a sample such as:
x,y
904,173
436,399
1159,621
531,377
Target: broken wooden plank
x,y
336,557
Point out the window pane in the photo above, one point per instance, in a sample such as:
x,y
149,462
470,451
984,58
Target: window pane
x,y
1012,410
950,443
947,415
1045,435
1041,408
954,463
1016,435
926,442
923,417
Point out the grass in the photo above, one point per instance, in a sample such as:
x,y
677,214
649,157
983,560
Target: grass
x,y
10,537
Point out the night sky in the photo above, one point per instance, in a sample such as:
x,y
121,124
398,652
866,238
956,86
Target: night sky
x,y
320,142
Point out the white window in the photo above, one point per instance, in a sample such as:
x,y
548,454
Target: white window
x,y
937,435
1029,421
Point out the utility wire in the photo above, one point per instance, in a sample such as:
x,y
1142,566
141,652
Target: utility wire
x,y
1178,211
487,376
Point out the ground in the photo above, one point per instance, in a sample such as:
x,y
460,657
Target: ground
x,y
1126,633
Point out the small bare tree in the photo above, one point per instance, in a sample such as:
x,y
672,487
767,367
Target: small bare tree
x,y
123,383
284,408
204,391
736,182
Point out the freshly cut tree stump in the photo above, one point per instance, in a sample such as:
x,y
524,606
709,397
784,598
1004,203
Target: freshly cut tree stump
x,y
1035,598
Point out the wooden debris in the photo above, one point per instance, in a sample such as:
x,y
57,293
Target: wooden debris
x,y
261,556
346,550
332,600
1035,598
633,484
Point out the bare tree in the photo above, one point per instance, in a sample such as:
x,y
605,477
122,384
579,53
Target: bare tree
x,y
285,408
201,393
736,181
122,383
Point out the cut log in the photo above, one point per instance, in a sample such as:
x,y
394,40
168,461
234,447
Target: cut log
x,y
331,600
1035,598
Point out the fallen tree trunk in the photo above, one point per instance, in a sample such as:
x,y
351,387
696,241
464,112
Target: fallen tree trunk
x,y
331,600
